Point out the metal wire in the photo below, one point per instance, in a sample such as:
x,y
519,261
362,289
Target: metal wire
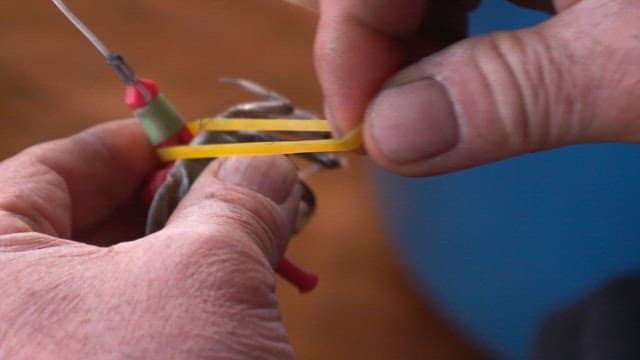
x,y
124,71
104,50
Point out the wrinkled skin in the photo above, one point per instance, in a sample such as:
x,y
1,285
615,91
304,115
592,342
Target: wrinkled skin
x,y
204,289
200,288
432,102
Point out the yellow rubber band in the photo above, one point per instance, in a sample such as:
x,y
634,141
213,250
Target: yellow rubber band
x,y
236,124
350,141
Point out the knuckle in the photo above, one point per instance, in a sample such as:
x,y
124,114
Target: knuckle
x,y
31,186
236,216
529,89
218,271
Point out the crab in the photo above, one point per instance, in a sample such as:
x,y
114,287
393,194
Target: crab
x,y
271,105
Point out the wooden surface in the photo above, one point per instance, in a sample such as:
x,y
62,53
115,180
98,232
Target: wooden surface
x,y
52,84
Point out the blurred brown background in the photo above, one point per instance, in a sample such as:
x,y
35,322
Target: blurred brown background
x,y
53,83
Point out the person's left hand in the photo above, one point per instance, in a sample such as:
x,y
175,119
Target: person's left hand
x,y
203,287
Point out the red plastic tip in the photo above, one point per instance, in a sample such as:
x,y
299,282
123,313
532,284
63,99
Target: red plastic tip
x,y
135,99
154,182
182,137
304,280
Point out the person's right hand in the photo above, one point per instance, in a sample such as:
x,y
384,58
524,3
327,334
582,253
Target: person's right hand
x,y
573,79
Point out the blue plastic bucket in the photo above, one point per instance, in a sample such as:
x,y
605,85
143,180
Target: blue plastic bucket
x,y
500,246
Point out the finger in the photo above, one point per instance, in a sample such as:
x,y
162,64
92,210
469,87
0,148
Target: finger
x,y
571,80
218,251
562,5
74,182
246,204
361,43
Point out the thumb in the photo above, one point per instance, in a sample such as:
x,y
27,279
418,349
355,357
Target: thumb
x,y
574,79
208,272
243,206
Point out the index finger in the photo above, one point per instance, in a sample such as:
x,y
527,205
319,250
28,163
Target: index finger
x,y
357,48
74,182
361,43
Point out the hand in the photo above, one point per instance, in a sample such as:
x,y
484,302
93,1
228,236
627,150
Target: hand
x,y
573,79
202,287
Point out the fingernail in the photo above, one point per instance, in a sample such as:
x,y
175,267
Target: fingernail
x,y
413,122
328,114
272,176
